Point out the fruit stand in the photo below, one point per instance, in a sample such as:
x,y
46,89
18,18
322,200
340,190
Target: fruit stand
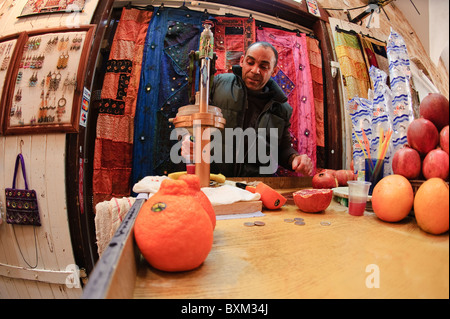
x,y
329,254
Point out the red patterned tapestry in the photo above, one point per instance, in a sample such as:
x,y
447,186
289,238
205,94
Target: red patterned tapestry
x,y
232,36
115,124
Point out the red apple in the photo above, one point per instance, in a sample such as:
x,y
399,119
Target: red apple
x,y
422,135
343,176
324,180
434,107
436,164
443,141
407,162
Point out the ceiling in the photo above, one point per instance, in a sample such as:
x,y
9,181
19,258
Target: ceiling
x,y
431,25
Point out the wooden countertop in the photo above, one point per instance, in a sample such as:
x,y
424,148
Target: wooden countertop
x,y
284,260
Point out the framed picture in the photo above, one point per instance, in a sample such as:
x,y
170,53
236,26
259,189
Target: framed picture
x,y
47,81
35,7
8,55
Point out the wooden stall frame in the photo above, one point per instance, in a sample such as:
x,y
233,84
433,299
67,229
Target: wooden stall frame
x,y
72,125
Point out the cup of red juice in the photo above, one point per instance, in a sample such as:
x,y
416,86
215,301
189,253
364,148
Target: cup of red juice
x,y
357,197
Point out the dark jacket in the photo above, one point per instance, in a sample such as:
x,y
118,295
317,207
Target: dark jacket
x,y
229,93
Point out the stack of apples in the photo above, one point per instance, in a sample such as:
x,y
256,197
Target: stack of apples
x,y
427,153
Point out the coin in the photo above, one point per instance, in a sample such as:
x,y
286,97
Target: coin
x,y
325,223
299,219
289,220
249,224
299,223
259,223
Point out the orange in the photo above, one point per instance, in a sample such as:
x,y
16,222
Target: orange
x,y
173,230
194,184
392,198
431,206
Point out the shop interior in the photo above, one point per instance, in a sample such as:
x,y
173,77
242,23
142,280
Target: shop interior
x,y
90,90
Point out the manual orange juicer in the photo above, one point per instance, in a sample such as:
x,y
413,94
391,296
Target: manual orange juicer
x,y
199,118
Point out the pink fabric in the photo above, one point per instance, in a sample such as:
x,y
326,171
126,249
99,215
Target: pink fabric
x,y
294,63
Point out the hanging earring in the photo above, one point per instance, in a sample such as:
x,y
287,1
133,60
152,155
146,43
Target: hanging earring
x,y
5,63
33,80
18,96
19,77
61,108
65,60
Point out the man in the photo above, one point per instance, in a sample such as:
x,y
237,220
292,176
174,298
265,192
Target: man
x,y
250,98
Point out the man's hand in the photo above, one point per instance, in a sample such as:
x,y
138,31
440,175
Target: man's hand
x,y
302,164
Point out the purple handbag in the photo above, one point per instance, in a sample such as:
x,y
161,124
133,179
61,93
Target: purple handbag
x,y
21,204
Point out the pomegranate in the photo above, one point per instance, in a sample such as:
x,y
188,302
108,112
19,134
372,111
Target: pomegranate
x,y
324,180
328,170
436,164
422,135
407,162
434,107
443,139
313,200
343,176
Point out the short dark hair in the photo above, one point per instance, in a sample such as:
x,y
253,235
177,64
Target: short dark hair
x,y
265,45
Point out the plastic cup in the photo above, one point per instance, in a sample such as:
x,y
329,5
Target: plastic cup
x,y
369,174
357,197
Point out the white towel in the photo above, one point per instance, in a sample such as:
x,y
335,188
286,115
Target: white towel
x,y
149,184
108,217
228,194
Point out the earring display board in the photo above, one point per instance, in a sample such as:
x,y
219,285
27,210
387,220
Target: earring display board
x,y
46,87
8,46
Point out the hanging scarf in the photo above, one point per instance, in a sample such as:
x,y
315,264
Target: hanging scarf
x,y
232,37
294,78
114,136
352,65
172,34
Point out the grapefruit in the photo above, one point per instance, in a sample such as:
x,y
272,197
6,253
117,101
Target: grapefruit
x,y
392,198
194,184
431,206
173,230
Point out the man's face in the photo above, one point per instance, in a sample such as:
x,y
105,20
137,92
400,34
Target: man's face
x,y
257,67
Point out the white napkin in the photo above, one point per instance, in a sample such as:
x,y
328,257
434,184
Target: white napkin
x,y
149,184
228,194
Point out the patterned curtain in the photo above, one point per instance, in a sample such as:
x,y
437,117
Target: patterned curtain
x,y
352,65
115,124
294,78
172,34
232,36
374,53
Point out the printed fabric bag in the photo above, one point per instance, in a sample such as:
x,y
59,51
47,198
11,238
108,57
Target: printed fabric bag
x,y
21,204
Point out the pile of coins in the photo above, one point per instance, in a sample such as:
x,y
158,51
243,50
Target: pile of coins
x,y
255,223
300,221
297,221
